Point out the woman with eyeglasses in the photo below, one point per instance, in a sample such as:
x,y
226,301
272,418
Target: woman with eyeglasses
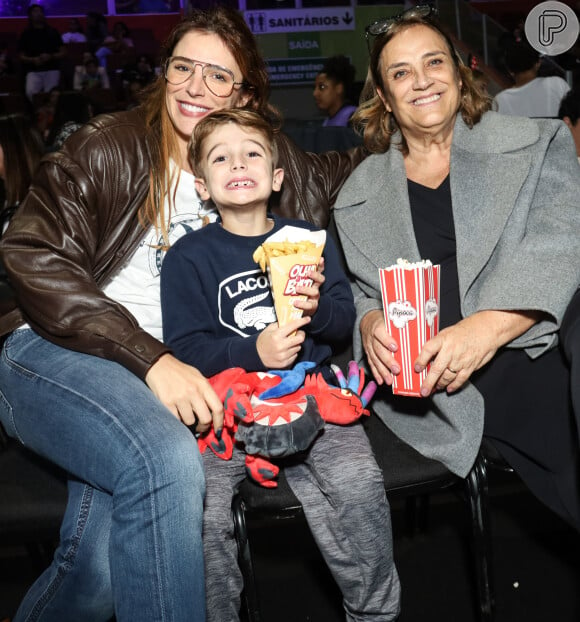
x,y
85,378
495,201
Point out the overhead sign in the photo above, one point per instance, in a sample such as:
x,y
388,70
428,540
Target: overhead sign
x,y
303,45
300,20
294,70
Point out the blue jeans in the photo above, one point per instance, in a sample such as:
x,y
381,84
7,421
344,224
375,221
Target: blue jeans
x,y
130,541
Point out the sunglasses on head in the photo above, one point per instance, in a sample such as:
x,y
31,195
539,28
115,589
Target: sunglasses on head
x,y
381,26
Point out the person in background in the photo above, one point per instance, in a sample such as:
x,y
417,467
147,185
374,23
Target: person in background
x,y
90,75
333,88
495,201
21,148
75,33
531,96
6,61
569,112
41,49
44,111
141,71
136,76
73,109
234,159
96,31
118,42
86,380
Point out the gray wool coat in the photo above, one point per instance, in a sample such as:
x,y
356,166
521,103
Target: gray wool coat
x,y
515,190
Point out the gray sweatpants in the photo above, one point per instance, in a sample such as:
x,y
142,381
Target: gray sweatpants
x,y
341,490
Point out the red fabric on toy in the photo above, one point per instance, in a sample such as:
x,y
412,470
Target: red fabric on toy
x,y
283,425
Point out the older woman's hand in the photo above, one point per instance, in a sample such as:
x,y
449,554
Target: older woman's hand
x,y
379,347
459,350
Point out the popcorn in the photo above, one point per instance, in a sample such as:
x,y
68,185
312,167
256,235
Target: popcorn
x,y
410,294
288,256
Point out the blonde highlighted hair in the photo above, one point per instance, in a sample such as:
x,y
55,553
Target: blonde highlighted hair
x,y
375,123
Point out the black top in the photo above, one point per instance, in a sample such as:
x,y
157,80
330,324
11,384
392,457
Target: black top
x,y
35,41
213,311
435,233
527,407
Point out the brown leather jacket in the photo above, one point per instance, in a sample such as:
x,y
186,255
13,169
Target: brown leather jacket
x,y
79,223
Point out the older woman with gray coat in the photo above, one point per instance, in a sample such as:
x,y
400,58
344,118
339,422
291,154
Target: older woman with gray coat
x,y
495,201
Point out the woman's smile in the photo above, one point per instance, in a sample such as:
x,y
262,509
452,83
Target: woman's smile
x,y
422,88
192,100
427,99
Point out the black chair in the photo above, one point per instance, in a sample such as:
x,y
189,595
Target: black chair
x,y
33,496
407,474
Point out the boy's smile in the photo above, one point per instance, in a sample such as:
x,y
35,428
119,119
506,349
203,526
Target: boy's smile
x,y
241,183
238,171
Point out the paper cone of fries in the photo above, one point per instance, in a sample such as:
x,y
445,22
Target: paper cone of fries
x,y
288,256
411,304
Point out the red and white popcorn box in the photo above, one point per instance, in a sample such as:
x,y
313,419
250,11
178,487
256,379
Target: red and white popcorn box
x,y
411,304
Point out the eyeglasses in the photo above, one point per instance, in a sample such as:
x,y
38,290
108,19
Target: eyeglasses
x,y
219,80
381,26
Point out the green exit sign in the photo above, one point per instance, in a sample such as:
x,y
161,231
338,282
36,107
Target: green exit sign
x,y
303,44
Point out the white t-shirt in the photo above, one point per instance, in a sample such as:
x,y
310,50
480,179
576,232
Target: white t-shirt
x,y
539,98
137,285
73,37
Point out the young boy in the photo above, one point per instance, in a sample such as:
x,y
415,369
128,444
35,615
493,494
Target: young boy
x,y
209,285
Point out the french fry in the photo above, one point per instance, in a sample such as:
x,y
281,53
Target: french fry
x,y
266,251
288,259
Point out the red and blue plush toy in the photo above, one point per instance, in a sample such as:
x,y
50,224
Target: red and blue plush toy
x,y
279,413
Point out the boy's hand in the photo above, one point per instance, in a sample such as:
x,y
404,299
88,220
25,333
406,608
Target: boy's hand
x,y
310,305
279,347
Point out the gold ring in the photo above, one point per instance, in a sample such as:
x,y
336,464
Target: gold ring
x,y
452,370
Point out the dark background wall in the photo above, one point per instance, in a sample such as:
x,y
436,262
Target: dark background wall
x,y
158,24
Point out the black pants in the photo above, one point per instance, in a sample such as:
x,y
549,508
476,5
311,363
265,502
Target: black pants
x,y
531,414
529,418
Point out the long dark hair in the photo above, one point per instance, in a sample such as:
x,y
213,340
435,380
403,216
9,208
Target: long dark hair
x,y
70,106
22,147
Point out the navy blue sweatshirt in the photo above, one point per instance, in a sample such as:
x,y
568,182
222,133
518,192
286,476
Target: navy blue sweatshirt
x,y
216,300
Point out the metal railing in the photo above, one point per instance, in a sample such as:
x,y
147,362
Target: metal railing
x,y
483,35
